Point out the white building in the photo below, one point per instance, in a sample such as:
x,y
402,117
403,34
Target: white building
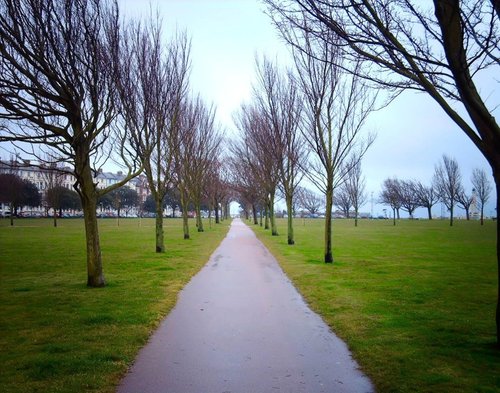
x,y
44,176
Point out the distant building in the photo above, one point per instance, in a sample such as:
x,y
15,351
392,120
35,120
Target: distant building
x,y
41,175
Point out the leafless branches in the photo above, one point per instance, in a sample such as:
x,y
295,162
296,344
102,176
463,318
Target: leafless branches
x,y
448,183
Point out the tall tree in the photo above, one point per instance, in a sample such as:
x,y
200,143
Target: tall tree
x,y
277,96
482,186
441,50
58,72
206,141
448,183
336,108
153,86
255,151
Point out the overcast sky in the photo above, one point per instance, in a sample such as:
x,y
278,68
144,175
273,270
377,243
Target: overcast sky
x,y
412,133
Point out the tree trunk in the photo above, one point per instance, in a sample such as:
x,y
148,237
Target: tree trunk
x,y
467,216
55,218
289,209
95,275
429,212
185,224
356,217
217,221
260,216
254,213
482,214
160,241
11,215
199,222
394,217
184,207
496,175
274,229
266,220
328,226
451,215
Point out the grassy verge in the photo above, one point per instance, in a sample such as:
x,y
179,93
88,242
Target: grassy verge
x,y
59,336
414,302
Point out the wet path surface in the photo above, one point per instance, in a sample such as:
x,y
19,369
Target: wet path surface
x,y
240,326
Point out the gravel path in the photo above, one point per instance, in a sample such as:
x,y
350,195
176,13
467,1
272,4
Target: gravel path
x,y
240,326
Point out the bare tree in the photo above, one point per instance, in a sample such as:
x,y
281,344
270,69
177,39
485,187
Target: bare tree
x,y
154,81
391,195
465,201
277,97
427,197
58,72
336,108
483,188
448,183
342,200
217,186
355,187
309,200
197,143
206,141
53,190
255,149
408,196
441,49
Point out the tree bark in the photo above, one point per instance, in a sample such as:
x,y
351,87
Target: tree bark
x,y
496,175
328,226
217,220
199,222
274,229
451,215
266,220
95,275
55,218
160,242
185,224
429,212
289,209
254,212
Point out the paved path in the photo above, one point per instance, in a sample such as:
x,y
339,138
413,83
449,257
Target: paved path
x,y
240,326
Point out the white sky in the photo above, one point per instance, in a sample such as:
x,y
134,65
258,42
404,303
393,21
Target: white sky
x,y
413,132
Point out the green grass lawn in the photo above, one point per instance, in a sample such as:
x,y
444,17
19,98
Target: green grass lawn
x,y
415,302
57,335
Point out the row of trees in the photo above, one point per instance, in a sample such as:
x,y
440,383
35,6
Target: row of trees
x,y
302,122
446,187
96,89
441,48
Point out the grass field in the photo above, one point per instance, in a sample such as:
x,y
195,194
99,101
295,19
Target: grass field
x,y
59,336
415,302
